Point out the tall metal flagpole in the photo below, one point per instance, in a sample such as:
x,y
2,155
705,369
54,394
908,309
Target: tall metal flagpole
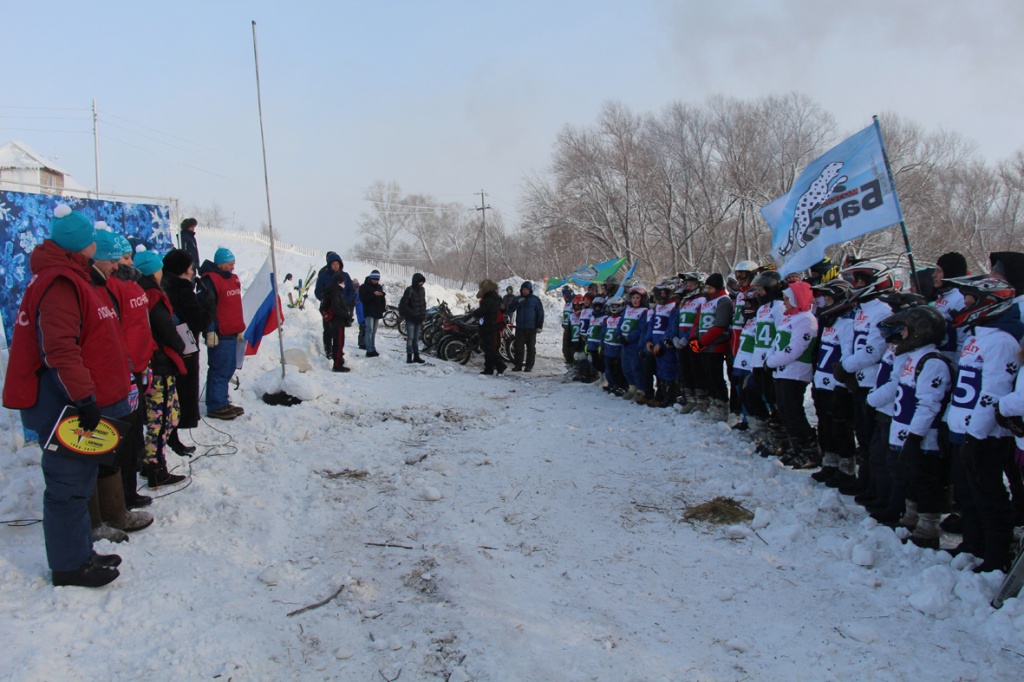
x,y
903,224
270,220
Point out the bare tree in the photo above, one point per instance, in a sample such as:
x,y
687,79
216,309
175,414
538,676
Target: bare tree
x,y
386,219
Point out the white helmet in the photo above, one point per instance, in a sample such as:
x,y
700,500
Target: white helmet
x,y
745,266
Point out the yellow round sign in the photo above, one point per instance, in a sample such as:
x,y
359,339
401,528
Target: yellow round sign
x,y
99,442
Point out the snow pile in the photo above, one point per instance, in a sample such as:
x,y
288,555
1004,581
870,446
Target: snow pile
x,y
428,522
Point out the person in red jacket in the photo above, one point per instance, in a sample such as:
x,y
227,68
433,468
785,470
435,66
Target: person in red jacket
x,y
223,293
61,354
709,341
123,285
108,508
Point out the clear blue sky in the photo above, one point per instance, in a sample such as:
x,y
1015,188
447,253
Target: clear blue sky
x,y
448,98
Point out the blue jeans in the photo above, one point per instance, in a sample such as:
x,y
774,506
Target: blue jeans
x,y
412,339
221,365
67,530
371,333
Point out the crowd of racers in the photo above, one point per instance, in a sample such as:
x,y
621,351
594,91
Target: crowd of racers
x,y
916,392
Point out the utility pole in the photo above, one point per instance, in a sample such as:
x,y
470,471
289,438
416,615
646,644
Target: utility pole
x,y
96,145
483,228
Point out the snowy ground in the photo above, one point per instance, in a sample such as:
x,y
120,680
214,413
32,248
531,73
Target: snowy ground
x,y
482,528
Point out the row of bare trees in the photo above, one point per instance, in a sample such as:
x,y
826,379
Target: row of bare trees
x,y
681,190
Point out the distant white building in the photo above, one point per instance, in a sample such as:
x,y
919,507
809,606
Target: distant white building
x,y
24,170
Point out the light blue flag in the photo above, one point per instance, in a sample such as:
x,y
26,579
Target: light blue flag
x,y
843,194
622,287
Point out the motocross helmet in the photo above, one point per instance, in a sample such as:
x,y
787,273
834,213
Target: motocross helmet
x,y
823,271
690,284
924,325
747,266
874,277
901,300
578,302
992,297
643,296
770,283
841,293
567,293
616,304
598,305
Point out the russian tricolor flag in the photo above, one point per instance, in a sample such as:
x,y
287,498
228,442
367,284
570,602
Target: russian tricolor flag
x,y
258,305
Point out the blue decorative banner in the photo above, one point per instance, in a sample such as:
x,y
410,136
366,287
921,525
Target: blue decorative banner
x,y
25,223
843,194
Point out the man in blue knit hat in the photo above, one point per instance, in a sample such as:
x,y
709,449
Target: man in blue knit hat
x,y
61,355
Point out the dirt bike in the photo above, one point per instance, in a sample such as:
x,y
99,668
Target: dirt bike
x,y
461,339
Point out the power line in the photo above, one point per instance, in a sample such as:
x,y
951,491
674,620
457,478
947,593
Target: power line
x,y
6,106
160,132
149,151
45,130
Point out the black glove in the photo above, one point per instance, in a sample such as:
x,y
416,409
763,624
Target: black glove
x,y
88,414
970,452
1014,424
840,373
912,445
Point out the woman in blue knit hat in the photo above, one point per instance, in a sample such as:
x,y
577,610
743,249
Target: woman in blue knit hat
x,y
222,292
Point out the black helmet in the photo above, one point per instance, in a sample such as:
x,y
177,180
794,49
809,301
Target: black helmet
x,y
901,300
598,304
841,293
824,271
924,325
770,282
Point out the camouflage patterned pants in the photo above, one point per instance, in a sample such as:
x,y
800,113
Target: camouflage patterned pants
x,y
162,412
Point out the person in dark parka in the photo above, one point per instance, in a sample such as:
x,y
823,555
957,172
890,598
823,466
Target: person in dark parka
x,y
177,283
529,322
337,316
413,309
489,312
187,236
371,295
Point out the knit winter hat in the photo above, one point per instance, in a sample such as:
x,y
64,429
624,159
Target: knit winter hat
x,y
106,245
953,265
222,256
715,281
71,230
148,262
176,262
1010,265
123,245
375,275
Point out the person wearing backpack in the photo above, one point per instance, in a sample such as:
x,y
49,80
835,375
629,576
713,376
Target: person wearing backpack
x,y
337,316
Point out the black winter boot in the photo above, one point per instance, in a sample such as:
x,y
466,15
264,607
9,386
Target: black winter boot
x,y
89,574
417,359
408,358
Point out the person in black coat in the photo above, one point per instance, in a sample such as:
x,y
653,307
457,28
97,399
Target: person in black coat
x,y
177,283
187,237
529,321
337,316
371,295
491,316
413,309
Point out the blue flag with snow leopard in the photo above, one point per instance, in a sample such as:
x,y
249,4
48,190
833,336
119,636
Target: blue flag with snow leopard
x,y
843,194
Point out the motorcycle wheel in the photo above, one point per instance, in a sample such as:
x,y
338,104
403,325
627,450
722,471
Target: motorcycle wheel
x,y
391,318
454,349
402,329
